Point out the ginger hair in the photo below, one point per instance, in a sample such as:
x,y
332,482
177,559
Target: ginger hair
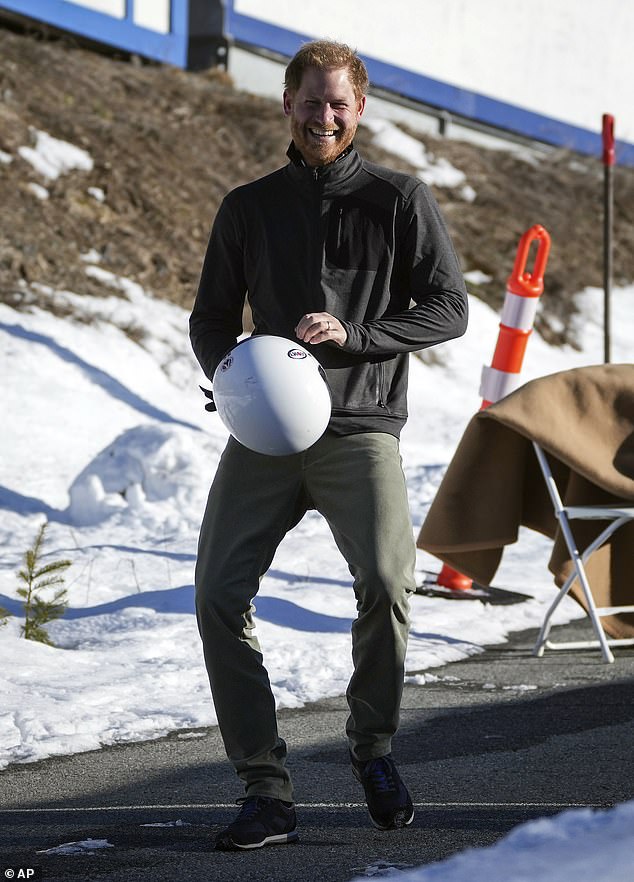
x,y
327,55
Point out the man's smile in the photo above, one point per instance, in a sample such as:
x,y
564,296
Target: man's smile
x,y
323,133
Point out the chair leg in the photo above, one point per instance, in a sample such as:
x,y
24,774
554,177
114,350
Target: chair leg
x,y
542,639
580,572
606,652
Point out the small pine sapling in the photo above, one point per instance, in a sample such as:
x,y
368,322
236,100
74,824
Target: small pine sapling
x,y
38,611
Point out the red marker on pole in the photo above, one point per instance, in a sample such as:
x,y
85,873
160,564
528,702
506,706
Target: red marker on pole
x,y
609,159
609,153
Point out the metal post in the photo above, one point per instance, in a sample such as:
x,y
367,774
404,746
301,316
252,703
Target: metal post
x,y
608,198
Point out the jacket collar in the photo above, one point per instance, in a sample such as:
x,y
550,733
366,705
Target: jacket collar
x,y
296,157
329,177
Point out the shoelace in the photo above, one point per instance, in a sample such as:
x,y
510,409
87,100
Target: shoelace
x,y
251,807
380,774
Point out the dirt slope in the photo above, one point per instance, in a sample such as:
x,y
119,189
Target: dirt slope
x,y
167,145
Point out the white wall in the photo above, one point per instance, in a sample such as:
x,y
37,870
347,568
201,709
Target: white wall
x,y
152,14
572,60
115,8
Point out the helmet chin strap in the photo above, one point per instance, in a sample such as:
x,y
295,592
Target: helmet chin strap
x,y
211,404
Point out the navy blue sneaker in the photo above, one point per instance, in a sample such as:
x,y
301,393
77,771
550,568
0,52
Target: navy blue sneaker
x,y
262,820
389,803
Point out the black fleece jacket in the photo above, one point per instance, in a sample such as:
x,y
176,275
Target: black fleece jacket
x,y
357,240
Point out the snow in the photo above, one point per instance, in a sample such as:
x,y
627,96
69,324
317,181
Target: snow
x,y
431,170
83,846
105,436
578,845
51,157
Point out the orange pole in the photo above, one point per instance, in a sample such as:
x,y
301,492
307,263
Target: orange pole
x,y
516,324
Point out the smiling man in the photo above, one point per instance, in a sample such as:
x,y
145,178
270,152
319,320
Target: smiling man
x,y
324,108
353,260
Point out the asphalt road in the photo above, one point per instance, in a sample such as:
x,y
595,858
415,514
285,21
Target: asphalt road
x,y
496,740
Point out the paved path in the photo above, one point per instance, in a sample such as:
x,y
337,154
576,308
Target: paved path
x,y
496,740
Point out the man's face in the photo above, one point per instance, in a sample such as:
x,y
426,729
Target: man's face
x,y
324,114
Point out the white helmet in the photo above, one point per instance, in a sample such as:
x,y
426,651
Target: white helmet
x,y
272,395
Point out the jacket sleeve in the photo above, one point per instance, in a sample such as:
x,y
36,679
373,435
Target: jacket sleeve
x,y
428,272
216,319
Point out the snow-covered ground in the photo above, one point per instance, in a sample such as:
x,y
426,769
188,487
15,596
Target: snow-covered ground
x,y
105,436
579,845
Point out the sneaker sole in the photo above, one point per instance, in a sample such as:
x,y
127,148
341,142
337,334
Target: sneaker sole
x,y
400,820
279,839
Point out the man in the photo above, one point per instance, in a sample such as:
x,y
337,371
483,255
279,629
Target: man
x,y
354,261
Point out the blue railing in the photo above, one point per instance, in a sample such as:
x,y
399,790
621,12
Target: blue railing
x,y
194,38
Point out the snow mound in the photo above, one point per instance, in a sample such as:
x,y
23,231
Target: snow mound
x,y
581,844
142,467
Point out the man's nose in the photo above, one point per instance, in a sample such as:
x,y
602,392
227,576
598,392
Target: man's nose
x,y
325,113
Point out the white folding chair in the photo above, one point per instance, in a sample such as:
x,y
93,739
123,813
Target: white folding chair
x,y
616,516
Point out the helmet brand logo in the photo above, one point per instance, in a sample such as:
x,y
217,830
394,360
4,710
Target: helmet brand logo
x,y
296,353
226,364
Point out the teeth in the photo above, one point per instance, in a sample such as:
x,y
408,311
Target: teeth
x,y
323,133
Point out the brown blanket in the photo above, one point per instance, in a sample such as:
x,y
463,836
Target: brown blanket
x,y
584,420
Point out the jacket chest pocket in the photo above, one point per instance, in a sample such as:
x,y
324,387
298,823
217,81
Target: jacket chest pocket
x,y
358,235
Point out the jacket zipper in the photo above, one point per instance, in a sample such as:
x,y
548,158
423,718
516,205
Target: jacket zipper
x,y
317,243
380,375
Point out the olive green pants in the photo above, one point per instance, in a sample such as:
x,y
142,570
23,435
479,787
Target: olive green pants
x,y
356,482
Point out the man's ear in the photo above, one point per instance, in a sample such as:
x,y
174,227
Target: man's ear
x,y
361,105
287,103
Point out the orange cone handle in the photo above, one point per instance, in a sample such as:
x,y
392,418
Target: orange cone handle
x,y
521,281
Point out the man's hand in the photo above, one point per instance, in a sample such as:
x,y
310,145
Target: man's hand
x,y
320,327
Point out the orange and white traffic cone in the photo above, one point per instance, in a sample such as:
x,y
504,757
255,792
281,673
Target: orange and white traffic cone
x,y
523,291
